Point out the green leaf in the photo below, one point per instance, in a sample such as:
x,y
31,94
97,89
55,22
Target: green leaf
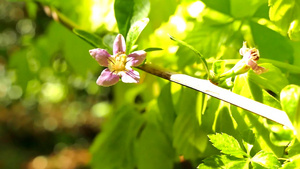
x,y
227,144
294,148
194,50
271,44
128,12
134,32
224,161
153,147
114,146
265,160
290,101
157,18
246,8
294,164
281,136
256,91
285,14
273,80
188,138
219,5
223,114
152,49
167,110
90,38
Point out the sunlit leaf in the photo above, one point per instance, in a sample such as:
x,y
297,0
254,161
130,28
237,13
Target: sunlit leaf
x,y
224,161
134,32
273,80
227,144
90,38
265,160
285,14
294,164
290,101
246,8
271,44
128,12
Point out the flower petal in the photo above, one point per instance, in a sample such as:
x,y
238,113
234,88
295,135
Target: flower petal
x,y
136,58
251,63
259,70
101,56
119,44
107,78
130,76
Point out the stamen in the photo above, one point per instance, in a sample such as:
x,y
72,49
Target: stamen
x,y
109,58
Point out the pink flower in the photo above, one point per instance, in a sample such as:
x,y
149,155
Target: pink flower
x,y
250,57
119,64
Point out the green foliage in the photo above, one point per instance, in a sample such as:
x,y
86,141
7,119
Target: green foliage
x,y
285,14
134,32
290,101
128,12
227,144
115,145
235,156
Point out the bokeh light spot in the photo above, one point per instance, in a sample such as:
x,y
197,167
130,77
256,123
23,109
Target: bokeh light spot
x,y
196,8
101,109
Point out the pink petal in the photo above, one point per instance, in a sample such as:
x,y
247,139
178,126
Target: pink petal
x,y
130,76
259,70
107,78
119,44
136,58
252,64
101,56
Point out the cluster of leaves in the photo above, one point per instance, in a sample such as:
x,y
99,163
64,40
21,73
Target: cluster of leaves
x,y
155,122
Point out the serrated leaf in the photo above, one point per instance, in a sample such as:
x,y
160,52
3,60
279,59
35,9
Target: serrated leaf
x,y
128,12
227,144
90,38
224,161
290,101
265,160
134,32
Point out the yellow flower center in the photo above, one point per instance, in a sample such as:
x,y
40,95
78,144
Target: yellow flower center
x,y
117,63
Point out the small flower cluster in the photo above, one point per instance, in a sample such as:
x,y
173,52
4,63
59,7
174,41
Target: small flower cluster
x,y
119,64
